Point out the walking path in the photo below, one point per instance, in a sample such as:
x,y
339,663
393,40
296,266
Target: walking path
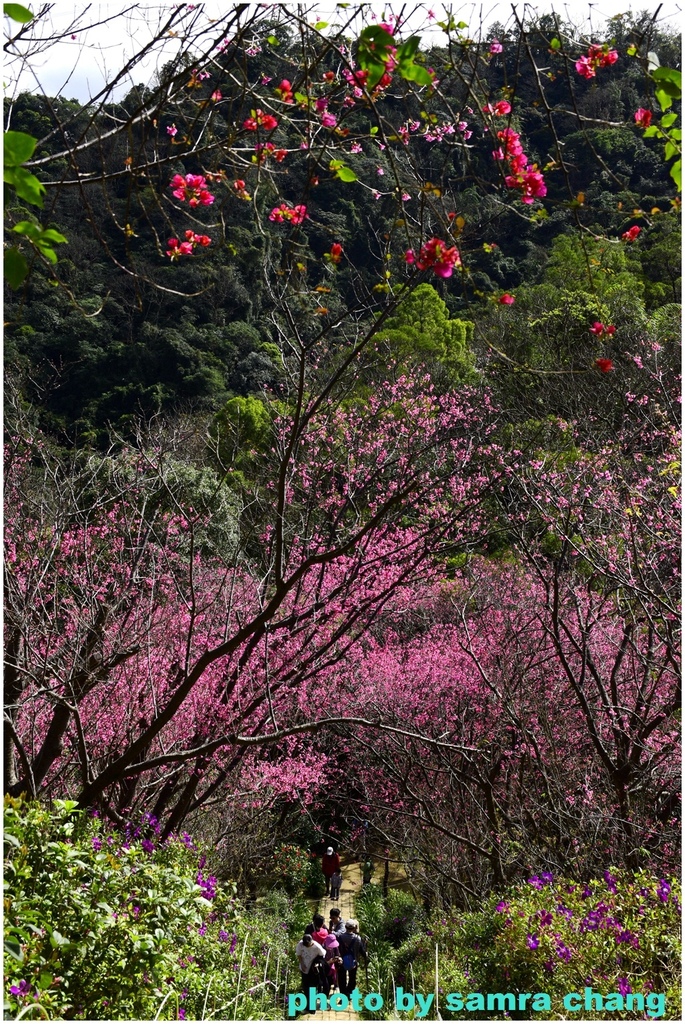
x,y
352,882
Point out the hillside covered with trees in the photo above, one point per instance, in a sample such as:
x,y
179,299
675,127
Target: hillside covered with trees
x,y
342,504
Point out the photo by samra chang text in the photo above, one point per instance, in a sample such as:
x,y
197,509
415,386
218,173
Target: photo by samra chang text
x,y
424,1007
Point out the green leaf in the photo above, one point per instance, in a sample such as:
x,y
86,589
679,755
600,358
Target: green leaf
x,y
670,79
555,44
17,13
273,40
668,119
665,101
16,271
342,171
676,174
57,939
373,52
652,131
18,148
347,174
320,24
415,73
43,239
12,947
51,235
12,840
25,184
32,231
670,150
407,50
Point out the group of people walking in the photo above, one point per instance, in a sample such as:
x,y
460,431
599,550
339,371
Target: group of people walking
x,y
329,955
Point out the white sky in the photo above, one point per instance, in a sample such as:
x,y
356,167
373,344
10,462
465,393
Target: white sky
x,y
78,67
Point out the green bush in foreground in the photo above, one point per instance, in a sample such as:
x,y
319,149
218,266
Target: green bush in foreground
x,y
618,934
103,925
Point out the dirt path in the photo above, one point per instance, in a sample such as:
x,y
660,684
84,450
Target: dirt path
x,y
352,882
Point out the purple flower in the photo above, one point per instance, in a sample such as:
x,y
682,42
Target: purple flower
x,y
536,882
223,936
148,846
663,890
22,989
234,943
547,877
564,911
563,952
549,966
610,881
181,1013
202,930
623,986
545,918
97,843
532,941
502,906
628,937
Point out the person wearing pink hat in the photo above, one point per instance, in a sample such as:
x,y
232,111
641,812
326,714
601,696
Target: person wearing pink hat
x,y
332,959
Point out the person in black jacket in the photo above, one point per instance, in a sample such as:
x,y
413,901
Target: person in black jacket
x,y
351,949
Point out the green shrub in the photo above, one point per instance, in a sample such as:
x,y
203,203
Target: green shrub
x,y
291,868
558,936
100,924
316,883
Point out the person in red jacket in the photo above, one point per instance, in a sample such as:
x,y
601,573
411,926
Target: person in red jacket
x,y
330,863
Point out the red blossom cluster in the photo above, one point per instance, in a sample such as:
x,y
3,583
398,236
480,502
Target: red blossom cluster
x,y
605,365
437,255
192,187
239,186
524,176
260,120
284,91
500,109
631,234
596,57
293,214
186,248
643,118
335,254
267,149
601,330
507,299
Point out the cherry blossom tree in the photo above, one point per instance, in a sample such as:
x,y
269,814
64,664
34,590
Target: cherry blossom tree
x,y
137,648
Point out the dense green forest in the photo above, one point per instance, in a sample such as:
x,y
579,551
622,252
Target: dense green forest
x,y
342,508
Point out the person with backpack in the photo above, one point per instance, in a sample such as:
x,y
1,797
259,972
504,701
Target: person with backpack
x,y
330,863
351,949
